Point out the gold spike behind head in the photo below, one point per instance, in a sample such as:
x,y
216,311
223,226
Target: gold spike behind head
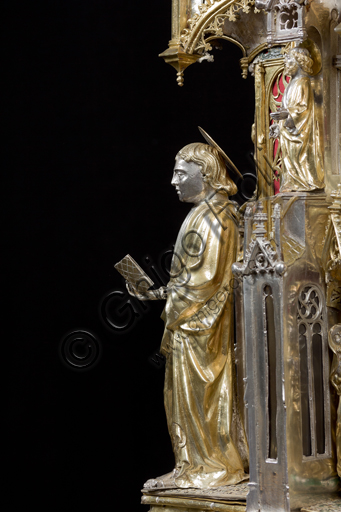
x,y
212,143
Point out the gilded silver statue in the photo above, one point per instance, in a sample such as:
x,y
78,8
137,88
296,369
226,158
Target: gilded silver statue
x,y
203,418
298,127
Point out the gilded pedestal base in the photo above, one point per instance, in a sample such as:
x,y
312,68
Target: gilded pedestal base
x,y
229,498
159,502
168,504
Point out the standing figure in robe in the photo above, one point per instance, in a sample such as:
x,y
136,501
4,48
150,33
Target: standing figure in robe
x,y
298,128
203,417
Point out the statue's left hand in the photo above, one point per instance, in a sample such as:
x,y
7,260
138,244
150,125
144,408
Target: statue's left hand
x,y
159,294
274,131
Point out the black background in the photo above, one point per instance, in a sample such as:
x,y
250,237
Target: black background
x,y
94,119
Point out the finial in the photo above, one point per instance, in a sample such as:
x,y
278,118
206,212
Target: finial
x,y
176,56
248,212
180,78
244,64
260,218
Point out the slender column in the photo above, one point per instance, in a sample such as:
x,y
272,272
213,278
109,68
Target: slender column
x,y
265,179
181,10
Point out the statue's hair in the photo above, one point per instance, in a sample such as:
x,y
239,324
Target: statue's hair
x,y
212,165
303,59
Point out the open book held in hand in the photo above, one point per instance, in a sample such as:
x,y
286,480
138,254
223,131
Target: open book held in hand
x,y
133,273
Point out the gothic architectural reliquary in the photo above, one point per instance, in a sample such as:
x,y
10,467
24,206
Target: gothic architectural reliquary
x,y
254,410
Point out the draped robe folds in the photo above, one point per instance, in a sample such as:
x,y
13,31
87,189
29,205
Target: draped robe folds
x,y
202,412
302,160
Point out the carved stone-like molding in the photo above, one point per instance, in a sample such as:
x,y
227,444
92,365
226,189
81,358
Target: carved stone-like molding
x,y
210,21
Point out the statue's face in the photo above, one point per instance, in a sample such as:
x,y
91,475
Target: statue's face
x,y
188,181
291,65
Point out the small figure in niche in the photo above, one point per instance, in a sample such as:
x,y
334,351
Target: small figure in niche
x,y
298,127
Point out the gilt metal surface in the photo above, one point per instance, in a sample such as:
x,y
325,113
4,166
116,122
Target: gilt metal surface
x,y
298,127
200,394
305,222
288,269
223,493
183,503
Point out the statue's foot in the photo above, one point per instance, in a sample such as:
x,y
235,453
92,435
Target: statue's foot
x,y
163,481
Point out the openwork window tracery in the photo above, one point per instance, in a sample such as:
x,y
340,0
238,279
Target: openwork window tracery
x,y
287,15
279,86
314,371
285,20
270,369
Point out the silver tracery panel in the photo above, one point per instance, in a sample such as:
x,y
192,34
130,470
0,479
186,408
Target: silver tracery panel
x,y
314,373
